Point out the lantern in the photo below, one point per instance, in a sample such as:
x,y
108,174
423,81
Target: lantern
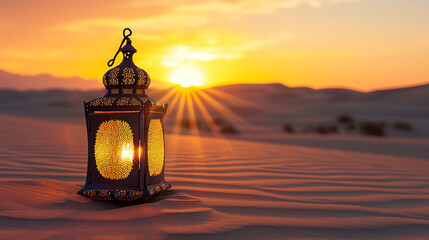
x,y
125,135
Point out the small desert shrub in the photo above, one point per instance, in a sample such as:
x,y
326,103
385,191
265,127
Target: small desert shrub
x,y
372,128
228,129
345,119
402,126
288,128
351,127
190,123
323,129
224,126
326,129
218,121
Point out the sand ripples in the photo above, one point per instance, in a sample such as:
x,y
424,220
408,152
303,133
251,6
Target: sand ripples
x,y
221,189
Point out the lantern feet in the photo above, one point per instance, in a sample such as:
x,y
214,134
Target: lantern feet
x,y
126,194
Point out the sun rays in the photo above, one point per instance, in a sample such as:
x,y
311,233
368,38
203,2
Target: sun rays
x,y
202,111
197,111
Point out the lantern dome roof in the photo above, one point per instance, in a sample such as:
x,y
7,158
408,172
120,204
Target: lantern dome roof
x,y
125,84
126,78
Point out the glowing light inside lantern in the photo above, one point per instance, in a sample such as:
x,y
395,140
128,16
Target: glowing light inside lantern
x,y
155,147
127,153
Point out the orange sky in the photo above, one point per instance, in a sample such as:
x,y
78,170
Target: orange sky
x,y
359,44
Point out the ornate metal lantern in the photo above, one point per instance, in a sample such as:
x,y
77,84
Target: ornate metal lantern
x,y
125,135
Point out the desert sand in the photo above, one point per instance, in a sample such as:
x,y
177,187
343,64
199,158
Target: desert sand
x,y
222,189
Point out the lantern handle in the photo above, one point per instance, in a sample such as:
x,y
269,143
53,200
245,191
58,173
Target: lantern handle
x,y
126,36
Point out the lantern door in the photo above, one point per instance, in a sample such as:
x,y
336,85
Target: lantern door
x,y
113,148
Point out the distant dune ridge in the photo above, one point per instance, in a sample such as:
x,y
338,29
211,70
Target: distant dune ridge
x,y
415,94
267,106
44,82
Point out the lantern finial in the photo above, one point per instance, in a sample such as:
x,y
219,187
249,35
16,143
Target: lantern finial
x,y
128,50
126,37
126,78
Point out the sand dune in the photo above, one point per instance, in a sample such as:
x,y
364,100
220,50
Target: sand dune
x,y
266,107
222,189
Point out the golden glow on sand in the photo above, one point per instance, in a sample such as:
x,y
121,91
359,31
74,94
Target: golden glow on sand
x,y
187,76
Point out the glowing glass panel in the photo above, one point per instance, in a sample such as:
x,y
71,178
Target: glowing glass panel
x,y
114,149
155,147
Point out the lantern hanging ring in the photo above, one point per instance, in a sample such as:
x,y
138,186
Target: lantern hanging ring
x,y
126,36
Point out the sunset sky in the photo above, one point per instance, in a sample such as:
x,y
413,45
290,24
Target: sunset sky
x,y
358,44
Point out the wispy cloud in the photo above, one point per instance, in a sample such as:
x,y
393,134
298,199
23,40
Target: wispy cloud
x,y
183,54
191,14
253,6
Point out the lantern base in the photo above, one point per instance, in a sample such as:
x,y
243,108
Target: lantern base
x,y
125,194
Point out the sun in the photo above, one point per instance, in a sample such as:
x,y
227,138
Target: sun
x,y
187,76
